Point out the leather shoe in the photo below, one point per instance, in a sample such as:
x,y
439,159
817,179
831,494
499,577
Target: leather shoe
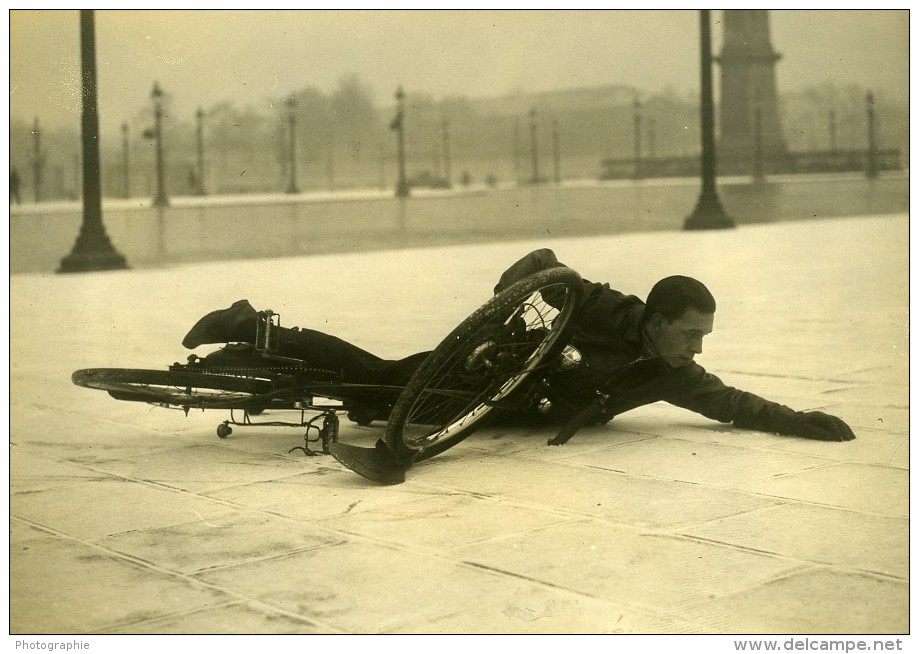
x,y
223,326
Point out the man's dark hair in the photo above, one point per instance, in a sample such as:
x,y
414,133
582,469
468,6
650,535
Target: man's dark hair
x,y
671,296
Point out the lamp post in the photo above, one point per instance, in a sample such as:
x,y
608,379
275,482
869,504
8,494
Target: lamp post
x,y
92,250
445,135
533,146
517,174
330,152
292,153
160,199
199,115
833,146
398,124
652,140
636,125
38,161
708,213
556,154
871,170
126,160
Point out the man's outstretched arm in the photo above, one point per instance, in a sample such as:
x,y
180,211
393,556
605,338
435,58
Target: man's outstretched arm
x,y
706,394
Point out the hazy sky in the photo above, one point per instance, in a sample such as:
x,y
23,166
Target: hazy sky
x,y
203,57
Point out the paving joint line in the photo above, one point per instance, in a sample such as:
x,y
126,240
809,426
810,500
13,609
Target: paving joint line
x,y
427,551
846,569
148,565
395,546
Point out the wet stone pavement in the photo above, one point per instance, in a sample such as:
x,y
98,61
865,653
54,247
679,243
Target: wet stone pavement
x,y
127,518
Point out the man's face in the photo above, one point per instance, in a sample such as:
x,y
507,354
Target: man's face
x,y
679,341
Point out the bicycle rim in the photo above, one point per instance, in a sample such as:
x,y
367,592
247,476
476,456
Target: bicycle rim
x,y
173,388
513,334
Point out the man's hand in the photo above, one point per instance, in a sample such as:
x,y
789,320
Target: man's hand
x,y
820,426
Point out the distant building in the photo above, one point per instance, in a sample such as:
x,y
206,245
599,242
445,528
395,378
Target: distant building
x,y
558,101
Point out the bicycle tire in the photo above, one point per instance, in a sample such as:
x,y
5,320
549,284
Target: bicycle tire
x,y
444,402
174,388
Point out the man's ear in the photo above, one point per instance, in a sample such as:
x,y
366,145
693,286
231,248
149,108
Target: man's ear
x,y
656,321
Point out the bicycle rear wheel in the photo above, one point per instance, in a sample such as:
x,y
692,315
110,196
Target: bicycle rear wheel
x,y
175,388
489,356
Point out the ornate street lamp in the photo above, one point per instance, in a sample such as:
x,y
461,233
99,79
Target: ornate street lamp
x,y
92,250
533,146
125,161
556,152
708,213
200,183
38,160
871,170
160,199
518,176
402,186
652,140
292,122
636,126
445,134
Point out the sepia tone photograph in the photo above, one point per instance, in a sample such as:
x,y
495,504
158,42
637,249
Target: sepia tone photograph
x,y
459,321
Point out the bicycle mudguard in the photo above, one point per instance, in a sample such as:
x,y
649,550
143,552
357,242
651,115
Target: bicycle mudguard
x,y
370,462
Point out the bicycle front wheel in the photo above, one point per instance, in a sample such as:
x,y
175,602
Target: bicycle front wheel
x,y
175,388
481,363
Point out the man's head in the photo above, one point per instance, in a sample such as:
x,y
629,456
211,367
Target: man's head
x,y
679,312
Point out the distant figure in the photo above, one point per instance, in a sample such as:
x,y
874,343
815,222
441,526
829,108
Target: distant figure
x,y
466,179
193,181
14,186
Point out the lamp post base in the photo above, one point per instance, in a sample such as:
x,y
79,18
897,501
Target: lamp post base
x,y
708,214
402,189
92,254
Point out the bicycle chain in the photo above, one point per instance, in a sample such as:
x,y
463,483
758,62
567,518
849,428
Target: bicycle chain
x,y
259,371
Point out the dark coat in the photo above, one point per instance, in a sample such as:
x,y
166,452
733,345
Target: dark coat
x,y
619,371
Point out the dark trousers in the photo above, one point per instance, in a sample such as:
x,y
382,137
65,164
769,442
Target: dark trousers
x,y
356,366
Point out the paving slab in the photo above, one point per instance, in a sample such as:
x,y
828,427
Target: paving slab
x,y
589,491
238,617
31,472
873,446
328,491
372,588
98,592
827,535
202,468
222,540
711,464
656,572
869,488
806,602
442,522
137,506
